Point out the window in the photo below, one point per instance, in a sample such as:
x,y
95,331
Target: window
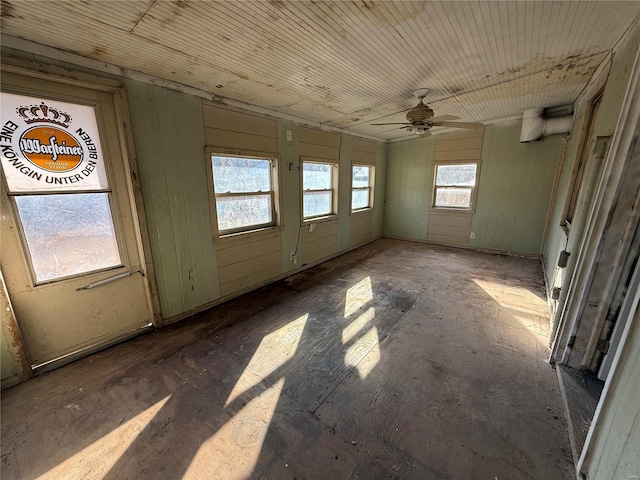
x,y
319,189
68,234
57,181
244,193
361,187
454,185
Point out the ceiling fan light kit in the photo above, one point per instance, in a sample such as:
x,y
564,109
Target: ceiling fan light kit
x,y
420,119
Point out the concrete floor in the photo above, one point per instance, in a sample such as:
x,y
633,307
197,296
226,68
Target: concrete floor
x,y
398,360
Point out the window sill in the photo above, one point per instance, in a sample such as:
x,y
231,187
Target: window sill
x,y
362,211
324,219
461,211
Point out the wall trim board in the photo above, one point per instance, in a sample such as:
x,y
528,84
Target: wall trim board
x,y
13,338
469,247
239,293
554,191
125,130
34,48
547,290
61,75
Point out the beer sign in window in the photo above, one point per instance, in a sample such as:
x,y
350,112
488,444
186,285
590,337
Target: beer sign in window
x,y
54,168
50,146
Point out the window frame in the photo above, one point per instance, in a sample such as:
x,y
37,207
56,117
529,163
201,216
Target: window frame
x,y
474,189
118,235
577,174
274,177
370,187
109,190
335,178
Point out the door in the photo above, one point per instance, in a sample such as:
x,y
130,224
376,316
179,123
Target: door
x,y
70,251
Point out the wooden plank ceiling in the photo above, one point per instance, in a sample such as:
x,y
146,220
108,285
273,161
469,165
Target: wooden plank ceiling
x,y
345,64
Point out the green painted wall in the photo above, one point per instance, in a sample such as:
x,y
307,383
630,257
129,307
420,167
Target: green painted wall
x,y
168,131
344,192
289,192
380,188
408,186
169,139
514,189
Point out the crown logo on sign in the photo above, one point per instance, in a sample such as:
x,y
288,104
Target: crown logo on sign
x,y
44,114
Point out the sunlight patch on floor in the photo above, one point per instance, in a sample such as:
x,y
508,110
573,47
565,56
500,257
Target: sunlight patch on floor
x,y
513,297
351,330
367,346
105,452
274,350
535,325
232,452
357,296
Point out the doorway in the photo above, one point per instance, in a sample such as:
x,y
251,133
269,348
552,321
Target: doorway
x,y
71,250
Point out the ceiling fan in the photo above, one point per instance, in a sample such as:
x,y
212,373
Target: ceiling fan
x,y
420,118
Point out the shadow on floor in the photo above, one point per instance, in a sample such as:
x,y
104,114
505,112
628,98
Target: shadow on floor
x,y
397,360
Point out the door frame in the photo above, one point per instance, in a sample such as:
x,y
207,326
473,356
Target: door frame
x,y
116,88
571,345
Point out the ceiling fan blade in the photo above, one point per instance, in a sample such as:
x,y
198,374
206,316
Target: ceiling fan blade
x,y
397,123
443,118
458,124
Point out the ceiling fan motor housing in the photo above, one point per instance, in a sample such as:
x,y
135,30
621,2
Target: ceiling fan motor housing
x,y
419,113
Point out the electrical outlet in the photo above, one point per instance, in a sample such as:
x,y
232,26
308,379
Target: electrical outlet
x,y
473,235
294,257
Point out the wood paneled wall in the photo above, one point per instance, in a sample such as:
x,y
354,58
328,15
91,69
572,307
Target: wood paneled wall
x,y
169,139
248,259
319,144
322,242
240,131
513,190
445,226
409,166
449,228
193,268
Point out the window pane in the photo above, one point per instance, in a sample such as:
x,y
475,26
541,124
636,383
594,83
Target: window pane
x,y
316,203
244,211
453,197
456,175
360,176
316,176
359,199
241,175
68,234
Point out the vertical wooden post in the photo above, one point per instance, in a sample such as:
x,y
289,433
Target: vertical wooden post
x,y
11,333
